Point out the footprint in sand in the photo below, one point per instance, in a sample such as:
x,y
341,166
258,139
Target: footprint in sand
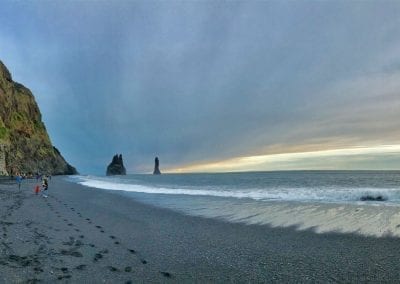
x,y
166,274
97,257
38,270
81,267
113,269
33,281
61,277
71,253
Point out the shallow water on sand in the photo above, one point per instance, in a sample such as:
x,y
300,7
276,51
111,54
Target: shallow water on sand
x,y
323,200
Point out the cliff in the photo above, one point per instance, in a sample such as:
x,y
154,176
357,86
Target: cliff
x,y
26,146
116,167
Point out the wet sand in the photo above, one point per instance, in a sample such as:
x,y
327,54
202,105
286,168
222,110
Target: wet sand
x,y
83,235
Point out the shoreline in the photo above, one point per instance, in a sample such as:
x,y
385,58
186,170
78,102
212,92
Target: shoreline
x,y
365,220
82,234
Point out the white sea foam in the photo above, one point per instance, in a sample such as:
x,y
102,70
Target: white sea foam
x,y
322,194
377,221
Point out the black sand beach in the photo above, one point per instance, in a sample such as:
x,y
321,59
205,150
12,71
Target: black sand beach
x,y
82,235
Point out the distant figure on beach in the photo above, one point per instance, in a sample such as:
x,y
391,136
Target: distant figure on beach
x,y
45,186
19,180
156,167
37,189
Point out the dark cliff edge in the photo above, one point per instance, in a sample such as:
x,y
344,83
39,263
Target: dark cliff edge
x,y
25,146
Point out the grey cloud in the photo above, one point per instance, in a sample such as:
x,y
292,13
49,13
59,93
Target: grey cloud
x,y
198,81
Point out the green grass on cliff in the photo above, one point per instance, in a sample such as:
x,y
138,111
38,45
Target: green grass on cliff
x,y
3,133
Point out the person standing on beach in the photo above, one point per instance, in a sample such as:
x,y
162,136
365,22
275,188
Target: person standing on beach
x,y
19,180
45,186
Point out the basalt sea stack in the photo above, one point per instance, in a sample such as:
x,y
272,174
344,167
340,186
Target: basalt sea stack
x,y
25,146
116,167
156,167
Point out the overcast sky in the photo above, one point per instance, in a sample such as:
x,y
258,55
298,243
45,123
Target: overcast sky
x,y
197,82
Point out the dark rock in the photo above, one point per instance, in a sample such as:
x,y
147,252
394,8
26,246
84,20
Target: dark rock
x,y
156,167
116,167
373,198
66,168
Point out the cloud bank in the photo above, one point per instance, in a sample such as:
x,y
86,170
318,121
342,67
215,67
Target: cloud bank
x,y
195,82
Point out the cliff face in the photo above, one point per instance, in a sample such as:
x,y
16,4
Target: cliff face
x,y
25,141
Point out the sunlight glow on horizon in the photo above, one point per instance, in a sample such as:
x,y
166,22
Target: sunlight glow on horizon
x,y
339,159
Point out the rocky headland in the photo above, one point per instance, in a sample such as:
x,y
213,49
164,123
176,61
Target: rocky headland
x,y
25,146
116,167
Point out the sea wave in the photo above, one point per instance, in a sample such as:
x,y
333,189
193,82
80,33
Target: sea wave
x,y
310,194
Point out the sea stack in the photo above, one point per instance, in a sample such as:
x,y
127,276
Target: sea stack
x,y
116,167
156,167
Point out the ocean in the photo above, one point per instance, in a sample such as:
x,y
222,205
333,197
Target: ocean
x,y
291,198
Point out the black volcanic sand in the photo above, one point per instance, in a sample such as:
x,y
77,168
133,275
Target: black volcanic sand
x,y
83,235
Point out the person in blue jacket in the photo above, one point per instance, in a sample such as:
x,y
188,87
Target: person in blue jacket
x,y
19,180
